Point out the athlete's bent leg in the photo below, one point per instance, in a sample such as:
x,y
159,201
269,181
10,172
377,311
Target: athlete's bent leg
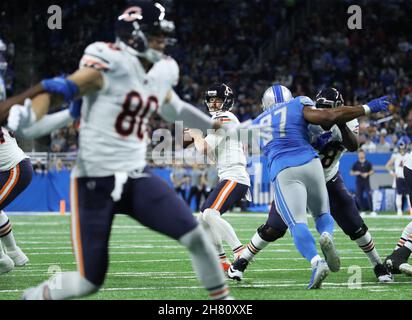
x,y
156,206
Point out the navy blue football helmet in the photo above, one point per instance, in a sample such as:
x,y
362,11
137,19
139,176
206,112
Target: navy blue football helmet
x,y
140,21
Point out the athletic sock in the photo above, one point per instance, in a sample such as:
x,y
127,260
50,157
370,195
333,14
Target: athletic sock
x,y
2,254
253,247
368,247
205,263
406,237
225,230
304,241
325,223
6,233
315,260
398,202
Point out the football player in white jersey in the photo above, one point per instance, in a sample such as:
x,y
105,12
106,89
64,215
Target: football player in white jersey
x,y
122,84
395,167
397,261
330,144
229,155
15,175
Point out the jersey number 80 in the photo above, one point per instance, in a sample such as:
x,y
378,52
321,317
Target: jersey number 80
x,y
134,113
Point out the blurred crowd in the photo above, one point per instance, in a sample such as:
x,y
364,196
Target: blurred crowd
x,y
220,41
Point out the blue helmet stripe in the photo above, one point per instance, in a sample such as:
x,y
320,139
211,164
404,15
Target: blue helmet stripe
x,y
274,93
278,94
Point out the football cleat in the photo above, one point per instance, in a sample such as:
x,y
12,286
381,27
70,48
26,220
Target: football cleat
x,y
406,268
19,258
330,252
236,270
6,264
382,273
319,273
396,258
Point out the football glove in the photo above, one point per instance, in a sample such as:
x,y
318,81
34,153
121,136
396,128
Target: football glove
x,y
379,104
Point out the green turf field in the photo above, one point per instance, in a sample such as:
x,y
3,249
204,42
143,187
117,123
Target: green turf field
x,y
146,265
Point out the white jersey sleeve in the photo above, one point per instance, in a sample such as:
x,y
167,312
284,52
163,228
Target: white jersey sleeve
x,y
10,152
99,56
333,149
353,126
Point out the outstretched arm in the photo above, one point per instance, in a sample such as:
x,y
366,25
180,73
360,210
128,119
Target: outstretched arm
x,y
46,125
341,115
175,109
52,92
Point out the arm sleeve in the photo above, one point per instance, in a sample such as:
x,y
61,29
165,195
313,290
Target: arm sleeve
x,y
46,125
177,109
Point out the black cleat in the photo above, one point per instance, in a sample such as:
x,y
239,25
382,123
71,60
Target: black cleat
x,y
396,258
382,273
236,270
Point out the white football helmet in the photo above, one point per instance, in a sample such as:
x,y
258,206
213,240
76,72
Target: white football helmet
x,y
274,95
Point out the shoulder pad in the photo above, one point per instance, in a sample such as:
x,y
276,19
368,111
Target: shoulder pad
x,y
100,55
306,101
167,70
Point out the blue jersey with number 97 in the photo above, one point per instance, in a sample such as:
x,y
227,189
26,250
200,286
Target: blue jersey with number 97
x,y
289,144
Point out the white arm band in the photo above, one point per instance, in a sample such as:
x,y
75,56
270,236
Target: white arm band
x,y
177,109
367,109
46,125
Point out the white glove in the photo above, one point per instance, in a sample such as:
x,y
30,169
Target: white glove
x,y
21,117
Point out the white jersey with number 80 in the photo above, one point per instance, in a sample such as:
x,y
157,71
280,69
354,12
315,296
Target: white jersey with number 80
x,y
113,127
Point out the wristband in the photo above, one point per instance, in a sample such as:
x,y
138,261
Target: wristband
x,y
367,109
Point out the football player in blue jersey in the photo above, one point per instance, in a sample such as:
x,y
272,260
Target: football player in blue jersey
x,y
331,145
297,174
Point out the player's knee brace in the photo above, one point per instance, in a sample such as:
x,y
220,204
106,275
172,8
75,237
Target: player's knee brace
x,y
270,234
359,233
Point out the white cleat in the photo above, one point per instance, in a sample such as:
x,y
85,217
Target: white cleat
x,y
234,274
387,278
399,213
6,264
19,258
319,273
329,251
406,268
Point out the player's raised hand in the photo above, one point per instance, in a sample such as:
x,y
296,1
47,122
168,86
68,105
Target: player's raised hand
x,y
378,105
20,116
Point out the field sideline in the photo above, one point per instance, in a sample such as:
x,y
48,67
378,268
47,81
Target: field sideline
x,y
147,265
